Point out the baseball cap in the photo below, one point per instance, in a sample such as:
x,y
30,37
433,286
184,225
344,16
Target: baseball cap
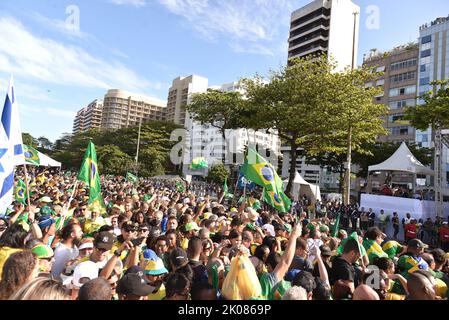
x,y
324,228
133,283
45,221
135,269
292,274
86,269
416,243
326,251
192,226
104,240
178,257
42,251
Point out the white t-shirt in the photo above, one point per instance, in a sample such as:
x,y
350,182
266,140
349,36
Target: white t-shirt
x,y
63,254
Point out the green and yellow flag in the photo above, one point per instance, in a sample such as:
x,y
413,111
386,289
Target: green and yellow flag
x,y
131,177
374,250
20,192
227,194
180,187
261,172
90,175
31,155
277,200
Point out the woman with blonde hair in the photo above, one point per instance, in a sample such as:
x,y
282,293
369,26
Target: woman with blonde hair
x,y
42,288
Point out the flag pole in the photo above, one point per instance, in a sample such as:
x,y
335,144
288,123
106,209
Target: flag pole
x,y
27,186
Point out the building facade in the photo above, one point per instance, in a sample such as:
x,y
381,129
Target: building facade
x,y
89,117
433,65
122,109
400,74
179,96
326,27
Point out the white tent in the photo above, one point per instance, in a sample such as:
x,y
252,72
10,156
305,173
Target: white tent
x,y
404,161
45,161
302,187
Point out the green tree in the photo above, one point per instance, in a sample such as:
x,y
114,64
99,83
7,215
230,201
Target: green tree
x,y
29,140
435,110
219,109
294,102
44,143
218,174
354,120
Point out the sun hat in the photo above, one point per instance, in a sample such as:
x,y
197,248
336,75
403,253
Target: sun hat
x,y
154,264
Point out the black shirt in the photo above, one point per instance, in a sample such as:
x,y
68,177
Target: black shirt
x,y
342,270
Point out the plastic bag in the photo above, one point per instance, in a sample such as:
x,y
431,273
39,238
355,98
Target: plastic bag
x,y
241,283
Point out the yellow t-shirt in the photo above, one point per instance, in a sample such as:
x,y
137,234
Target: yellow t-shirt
x,y
185,243
159,295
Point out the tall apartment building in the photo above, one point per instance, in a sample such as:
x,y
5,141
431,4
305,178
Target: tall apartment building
x,y
400,68
179,96
326,26
433,65
122,109
88,117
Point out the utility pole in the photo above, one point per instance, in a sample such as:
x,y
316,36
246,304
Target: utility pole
x,y
138,146
347,198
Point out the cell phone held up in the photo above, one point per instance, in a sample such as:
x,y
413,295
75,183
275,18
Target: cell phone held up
x,y
138,241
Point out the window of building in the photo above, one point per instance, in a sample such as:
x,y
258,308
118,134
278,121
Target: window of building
x,y
424,81
423,68
426,53
380,69
380,82
403,64
403,77
402,91
426,39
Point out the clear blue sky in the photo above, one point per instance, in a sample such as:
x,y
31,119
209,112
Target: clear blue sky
x,y
142,45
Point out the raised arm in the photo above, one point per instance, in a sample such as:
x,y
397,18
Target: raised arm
x,y
287,258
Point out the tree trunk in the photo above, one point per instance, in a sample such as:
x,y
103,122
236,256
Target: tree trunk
x,y
341,179
223,157
347,199
293,156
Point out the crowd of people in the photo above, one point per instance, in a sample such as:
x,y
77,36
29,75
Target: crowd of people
x,y
166,240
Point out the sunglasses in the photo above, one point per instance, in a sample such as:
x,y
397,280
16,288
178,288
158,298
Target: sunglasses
x,y
144,230
49,259
102,250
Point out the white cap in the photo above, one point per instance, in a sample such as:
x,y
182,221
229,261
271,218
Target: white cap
x,y
86,245
87,269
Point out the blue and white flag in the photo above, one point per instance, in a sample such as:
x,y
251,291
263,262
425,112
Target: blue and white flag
x,y
11,149
243,181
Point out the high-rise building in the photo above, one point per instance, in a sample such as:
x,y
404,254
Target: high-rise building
x,y
179,96
326,26
122,109
89,117
433,65
400,68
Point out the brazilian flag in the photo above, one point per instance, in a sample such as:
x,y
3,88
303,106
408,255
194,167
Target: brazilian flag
x,y
254,203
20,192
226,192
277,200
374,250
31,155
90,175
131,177
261,172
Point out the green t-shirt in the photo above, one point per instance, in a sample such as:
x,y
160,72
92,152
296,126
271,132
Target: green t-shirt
x,y
268,281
